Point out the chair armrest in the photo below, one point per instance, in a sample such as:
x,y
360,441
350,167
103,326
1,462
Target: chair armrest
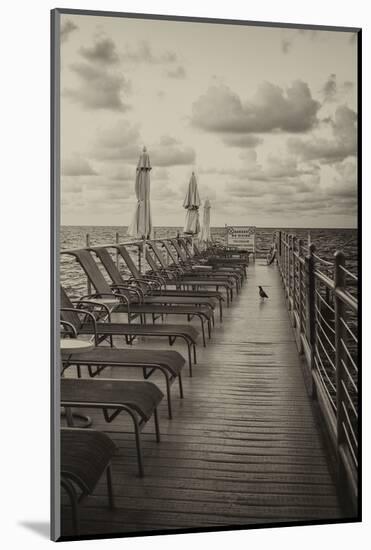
x,y
128,288
93,303
87,313
69,326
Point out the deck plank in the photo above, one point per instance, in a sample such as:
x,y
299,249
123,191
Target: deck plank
x,y
244,446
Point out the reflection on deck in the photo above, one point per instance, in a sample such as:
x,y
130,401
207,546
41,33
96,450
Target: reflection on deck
x,y
244,446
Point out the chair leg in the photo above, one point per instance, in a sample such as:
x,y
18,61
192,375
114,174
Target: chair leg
x,y
138,445
74,504
157,426
111,498
180,385
203,332
168,397
189,358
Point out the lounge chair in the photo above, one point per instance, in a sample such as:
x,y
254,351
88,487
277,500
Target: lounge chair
x,y
84,321
124,294
197,281
237,265
168,362
194,270
164,298
153,283
85,456
139,399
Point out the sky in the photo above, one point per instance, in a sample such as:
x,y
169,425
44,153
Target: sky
x,y
265,117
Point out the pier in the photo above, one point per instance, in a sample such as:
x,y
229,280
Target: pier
x,y
265,432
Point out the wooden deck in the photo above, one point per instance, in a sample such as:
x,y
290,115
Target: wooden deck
x,y
244,446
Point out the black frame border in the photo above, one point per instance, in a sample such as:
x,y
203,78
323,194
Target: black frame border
x,y
54,234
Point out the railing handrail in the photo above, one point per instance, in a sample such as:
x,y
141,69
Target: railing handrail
x,y
324,316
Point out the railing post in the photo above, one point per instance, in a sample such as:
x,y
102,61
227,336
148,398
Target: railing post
x,y
139,258
300,286
339,277
293,263
87,279
279,243
310,304
117,252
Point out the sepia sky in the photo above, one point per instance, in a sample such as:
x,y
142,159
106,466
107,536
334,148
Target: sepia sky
x,y
265,117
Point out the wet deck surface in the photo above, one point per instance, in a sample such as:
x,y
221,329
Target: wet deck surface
x,y
243,447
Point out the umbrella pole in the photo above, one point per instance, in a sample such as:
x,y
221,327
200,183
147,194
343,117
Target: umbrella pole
x,y
144,251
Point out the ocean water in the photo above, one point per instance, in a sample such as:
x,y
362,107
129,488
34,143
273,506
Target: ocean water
x,y
327,242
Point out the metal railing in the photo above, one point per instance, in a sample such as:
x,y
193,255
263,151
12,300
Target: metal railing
x,y
324,315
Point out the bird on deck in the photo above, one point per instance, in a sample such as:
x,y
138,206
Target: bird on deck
x,y
262,293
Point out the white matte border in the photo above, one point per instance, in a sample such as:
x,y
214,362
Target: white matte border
x,y
25,53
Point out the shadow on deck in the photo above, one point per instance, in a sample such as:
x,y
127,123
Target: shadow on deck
x,y
244,446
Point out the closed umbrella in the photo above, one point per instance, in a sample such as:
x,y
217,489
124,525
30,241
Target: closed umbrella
x,y
141,226
205,235
191,204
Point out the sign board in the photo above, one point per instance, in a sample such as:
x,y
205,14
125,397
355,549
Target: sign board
x,y
241,237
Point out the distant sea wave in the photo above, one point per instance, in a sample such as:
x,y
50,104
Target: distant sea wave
x,y
327,241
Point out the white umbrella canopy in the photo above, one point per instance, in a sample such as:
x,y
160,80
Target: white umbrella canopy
x,y
205,235
141,226
192,203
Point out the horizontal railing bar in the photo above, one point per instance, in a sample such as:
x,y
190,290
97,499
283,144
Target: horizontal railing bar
x,y
349,272
324,385
324,370
347,299
324,301
325,351
355,442
352,406
349,330
135,242
324,320
327,338
350,424
350,378
325,262
325,279
350,445
349,354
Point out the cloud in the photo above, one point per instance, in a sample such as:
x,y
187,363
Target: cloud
x,y
286,46
271,110
103,51
162,191
77,166
144,54
124,174
159,174
67,27
99,88
169,152
178,73
345,181
343,144
121,141
329,90
248,141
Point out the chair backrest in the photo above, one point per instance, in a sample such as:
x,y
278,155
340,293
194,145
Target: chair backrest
x,y
129,261
69,316
179,251
158,254
92,271
196,250
170,252
183,243
151,261
109,265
